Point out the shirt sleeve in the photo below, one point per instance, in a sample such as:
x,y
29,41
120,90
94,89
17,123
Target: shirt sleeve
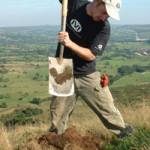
x,y
99,43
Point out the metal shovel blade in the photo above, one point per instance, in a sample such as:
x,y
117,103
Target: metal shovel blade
x,y
61,81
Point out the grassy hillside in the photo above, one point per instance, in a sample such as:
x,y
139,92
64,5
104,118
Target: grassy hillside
x,y
85,121
24,98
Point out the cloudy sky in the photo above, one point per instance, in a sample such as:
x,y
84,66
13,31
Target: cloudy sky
x,y
47,12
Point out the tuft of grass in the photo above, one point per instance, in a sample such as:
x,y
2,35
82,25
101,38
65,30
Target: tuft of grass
x,y
139,141
4,142
22,137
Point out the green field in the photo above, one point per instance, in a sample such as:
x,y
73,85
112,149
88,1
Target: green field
x,y
24,71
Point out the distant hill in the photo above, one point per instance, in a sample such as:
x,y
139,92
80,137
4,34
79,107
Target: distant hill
x,y
126,33
36,34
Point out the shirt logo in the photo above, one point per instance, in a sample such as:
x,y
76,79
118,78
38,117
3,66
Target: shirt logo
x,y
99,47
76,25
118,5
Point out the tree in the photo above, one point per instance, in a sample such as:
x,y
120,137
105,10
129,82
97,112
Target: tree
x,y
3,105
36,101
125,70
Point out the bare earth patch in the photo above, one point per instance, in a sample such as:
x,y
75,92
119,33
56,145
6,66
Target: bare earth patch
x,y
71,139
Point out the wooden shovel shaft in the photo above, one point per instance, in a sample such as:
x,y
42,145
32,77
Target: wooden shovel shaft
x,y
63,27
64,7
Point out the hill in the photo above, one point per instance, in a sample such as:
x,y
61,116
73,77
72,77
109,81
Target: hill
x,y
24,98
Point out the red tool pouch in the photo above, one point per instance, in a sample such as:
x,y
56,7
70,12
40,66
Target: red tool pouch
x,y
104,80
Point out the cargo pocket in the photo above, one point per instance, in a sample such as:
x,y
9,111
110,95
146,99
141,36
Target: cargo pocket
x,y
97,88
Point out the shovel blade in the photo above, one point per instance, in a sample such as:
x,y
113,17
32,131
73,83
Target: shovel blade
x,y
61,81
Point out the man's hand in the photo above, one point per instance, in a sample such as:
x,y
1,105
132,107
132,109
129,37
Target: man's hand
x,y
82,52
64,38
104,80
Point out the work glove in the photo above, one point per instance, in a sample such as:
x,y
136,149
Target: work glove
x,y
104,80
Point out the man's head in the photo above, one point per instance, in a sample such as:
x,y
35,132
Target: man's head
x,y
102,9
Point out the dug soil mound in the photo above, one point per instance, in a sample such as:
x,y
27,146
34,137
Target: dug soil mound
x,y
71,139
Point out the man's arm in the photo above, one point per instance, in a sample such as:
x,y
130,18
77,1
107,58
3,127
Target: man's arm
x,y
100,41
82,52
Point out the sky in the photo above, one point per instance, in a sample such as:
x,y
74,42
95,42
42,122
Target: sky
x,y
48,12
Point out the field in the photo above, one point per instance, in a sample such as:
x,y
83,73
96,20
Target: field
x,y
24,98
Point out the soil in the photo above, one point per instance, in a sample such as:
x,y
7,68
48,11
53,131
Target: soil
x,y
71,139
62,77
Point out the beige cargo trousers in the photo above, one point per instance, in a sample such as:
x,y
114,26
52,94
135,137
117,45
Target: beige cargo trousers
x,y
97,98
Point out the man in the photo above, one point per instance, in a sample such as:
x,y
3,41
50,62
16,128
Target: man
x,y
88,31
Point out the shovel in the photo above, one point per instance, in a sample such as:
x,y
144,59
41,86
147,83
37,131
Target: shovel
x,y
61,81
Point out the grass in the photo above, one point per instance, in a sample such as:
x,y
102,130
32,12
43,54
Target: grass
x,y
133,45
85,120
137,116
21,85
133,79
4,139
110,67
130,92
124,90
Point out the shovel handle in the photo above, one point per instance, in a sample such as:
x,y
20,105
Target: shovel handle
x,y
63,27
64,7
